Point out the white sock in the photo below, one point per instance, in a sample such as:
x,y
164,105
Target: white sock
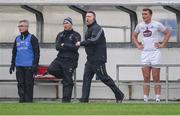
x,y
158,98
145,98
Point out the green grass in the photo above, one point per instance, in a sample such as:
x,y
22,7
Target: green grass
x,y
89,109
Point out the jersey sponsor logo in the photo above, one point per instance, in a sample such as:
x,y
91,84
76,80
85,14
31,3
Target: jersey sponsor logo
x,y
23,45
147,33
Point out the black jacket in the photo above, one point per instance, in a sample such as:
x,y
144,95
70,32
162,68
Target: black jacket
x,y
95,44
35,46
69,49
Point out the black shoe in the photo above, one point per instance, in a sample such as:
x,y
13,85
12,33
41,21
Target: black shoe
x,y
83,101
28,101
21,100
66,101
121,99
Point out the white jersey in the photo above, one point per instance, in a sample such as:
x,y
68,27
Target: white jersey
x,y
149,33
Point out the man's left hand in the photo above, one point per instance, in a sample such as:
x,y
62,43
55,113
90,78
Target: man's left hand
x,y
34,69
159,45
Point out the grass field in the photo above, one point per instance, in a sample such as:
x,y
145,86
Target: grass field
x,y
89,109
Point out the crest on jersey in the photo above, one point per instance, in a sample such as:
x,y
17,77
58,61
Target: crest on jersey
x,y
147,33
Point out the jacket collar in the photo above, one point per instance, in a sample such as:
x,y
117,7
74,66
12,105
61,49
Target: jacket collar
x,y
92,24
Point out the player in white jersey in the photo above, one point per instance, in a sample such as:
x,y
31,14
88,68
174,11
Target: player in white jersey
x,y
150,47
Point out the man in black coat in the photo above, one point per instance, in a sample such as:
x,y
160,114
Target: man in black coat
x,y
95,47
66,62
25,58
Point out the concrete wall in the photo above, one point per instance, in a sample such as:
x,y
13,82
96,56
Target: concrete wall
x,y
98,90
115,56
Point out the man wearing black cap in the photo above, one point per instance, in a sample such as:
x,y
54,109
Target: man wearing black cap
x,y
66,61
95,47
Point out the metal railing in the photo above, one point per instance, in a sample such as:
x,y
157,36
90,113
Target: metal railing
x,y
160,65
118,66
124,28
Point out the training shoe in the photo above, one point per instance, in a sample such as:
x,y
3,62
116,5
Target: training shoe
x,y
145,99
158,100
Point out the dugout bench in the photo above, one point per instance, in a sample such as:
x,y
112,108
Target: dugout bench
x,y
41,79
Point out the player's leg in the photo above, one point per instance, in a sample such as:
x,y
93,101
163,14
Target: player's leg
x,y
146,75
156,79
146,70
156,59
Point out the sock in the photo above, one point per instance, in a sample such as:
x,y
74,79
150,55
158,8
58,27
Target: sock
x,y
145,98
157,96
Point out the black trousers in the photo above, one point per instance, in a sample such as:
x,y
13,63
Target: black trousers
x,y
57,69
100,71
25,79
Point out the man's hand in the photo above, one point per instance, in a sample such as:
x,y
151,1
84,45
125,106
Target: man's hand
x,y
11,69
136,42
78,44
62,44
140,47
158,45
34,69
83,43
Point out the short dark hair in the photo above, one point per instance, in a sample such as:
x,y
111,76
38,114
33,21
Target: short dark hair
x,y
147,9
92,12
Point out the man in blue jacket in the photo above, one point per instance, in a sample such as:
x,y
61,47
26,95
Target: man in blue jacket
x,y
25,58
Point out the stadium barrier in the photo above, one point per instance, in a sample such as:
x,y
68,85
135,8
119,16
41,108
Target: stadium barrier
x,y
129,83
49,80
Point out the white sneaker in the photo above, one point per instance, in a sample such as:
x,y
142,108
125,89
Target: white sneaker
x,y
145,98
158,100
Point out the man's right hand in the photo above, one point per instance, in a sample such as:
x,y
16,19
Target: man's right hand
x,y
11,69
78,44
140,47
62,44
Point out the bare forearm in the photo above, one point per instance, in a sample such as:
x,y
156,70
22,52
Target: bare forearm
x,y
166,39
135,40
167,35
